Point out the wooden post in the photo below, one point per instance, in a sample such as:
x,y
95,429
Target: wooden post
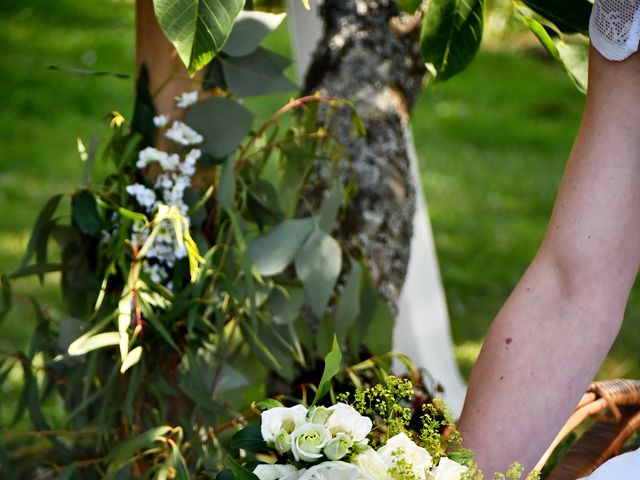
x,y
168,77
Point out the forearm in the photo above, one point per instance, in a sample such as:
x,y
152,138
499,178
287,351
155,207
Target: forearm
x,y
549,339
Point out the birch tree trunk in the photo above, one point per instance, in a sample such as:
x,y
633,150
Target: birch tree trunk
x,y
422,325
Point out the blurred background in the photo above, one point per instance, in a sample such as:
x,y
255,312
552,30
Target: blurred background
x,y
492,143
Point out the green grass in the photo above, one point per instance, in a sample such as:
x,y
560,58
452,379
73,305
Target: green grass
x,y
492,143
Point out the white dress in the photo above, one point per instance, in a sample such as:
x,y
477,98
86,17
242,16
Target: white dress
x,y
615,32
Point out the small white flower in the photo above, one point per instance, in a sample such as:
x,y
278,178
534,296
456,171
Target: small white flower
x,y
345,419
193,156
170,162
448,469
161,120
333,471
372,465
401,446
187,99
273,472
274,420
143,195
149,155
308,440
183,134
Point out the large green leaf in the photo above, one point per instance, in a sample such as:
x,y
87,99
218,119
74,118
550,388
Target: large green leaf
x,y
249,30
197,28
257,73
570,16
85,214
318,265
572,56
274,250
222,122
451,34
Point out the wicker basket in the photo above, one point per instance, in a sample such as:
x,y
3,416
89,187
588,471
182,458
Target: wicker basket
x,y
617,405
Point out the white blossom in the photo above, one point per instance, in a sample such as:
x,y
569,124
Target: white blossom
x,y
333,471
183,134
143,195
308,440
161,120
187,99
275,420
402,447
372,465
346,419
149,155
448,469
274,472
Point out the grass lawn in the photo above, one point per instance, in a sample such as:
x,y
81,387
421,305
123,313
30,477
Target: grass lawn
x,y
492,143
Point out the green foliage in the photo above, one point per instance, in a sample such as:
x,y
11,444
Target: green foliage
x,y
332,363
451,34
197,28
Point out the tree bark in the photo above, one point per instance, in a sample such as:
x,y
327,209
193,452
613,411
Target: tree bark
x,y
369,54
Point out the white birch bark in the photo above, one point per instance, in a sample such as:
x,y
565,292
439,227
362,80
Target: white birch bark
x,y
422,328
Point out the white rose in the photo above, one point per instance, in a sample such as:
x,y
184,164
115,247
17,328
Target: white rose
x,y
276,420
345,419
338,447
333,471
448,469
308,440
274,472
401,446
319,415
372,465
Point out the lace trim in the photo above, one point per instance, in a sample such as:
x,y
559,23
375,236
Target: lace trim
x,y
614,28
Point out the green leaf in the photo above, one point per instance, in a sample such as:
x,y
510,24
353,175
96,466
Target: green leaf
x,y
257,73
249,438
39,270
131,359
329,210
5,296
332,364
227,185
349,303
250,29
222,122
267,403
570,16
197,28
318,265
409,6
84,211
144,109
125,452
274,250
86,344
451,34
572,57
240,472
39,234
259,347
286,308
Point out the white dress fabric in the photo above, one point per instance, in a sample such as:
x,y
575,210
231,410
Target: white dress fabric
x,y
614,28
622,467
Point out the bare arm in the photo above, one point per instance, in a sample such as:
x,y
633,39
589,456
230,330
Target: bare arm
x,y
550,337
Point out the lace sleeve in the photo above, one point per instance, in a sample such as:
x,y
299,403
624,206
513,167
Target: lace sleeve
x,y
615,27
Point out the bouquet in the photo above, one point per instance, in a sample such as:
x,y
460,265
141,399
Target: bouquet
x,y
369,438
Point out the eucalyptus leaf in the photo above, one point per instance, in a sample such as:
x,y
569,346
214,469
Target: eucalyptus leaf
x,y
318,265
348,307
227,185
451,34
327,213
250,28
274,250
332,363
197,29
223,123
286,308
255,74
